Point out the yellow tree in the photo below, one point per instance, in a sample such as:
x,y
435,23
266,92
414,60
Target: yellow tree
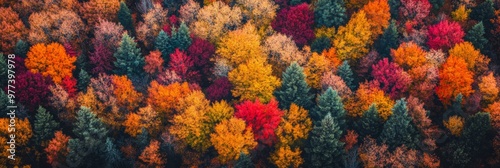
x,y
133,124
409,55
104,9
217,112
378,15
232,137
294,127
50,60
351,41
455,124
216,19
240,45
150,119
467,52
488,88
285,157
164,98
124,92
367,95
314,69
259,12
252,80
461,14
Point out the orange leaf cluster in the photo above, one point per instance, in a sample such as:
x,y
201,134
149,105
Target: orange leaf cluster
x,y
50,60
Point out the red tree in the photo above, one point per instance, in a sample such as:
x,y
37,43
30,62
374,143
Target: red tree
x,y
297,22
220,89
392,78
183,66
69,84
200,51
70,50
414,11
444,35
32,89
102,58
262,118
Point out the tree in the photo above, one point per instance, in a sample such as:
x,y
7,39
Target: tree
x,y
125,18
316,66
240,45
21,48
392,78
50,60
444,35
83,80
476,37
188,11
181,38
321,44
69,85
201,51
126,96
282,49
163,98
154,19
232,137
253,79
244,162
220,89
330,103
44,125
132,124
409,55
216,19
95,9
454,79
378,15
414,10
259,12
455,124
461,14
285,157
151,156
467,52
164,44
149,119
108,34
367,95
154,62
57,149
12,29
351,40
297,22
423,123
399,130
183,66
56,26
373,155
388,40
324,146
483,12
336,83
262,118
90,136
128,59
370,124
346,74
35,89
488,88
294,127
329,13
294,88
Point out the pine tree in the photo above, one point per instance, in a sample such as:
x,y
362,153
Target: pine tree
x,y
44,126
330,103
394,4
163,43
346,74
21,48
111,153
398,130
3,70
294,88
330,13
476,37
477,134
320,44
244,162
83,80
181,38
125,18
388,40
129,60
85,149
325,148
370,124
483,12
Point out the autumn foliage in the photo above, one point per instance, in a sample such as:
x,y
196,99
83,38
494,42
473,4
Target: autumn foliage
x,y
50,60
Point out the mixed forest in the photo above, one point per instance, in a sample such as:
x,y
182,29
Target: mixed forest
x,y
251,83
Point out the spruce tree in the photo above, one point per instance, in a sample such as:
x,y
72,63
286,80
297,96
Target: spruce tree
x,y
477,135
476,37
125,18
3,71
455,109
388,40
294,88
142,139
436,4
325,148
370,124
111,153
346,74
244,162
83,80
4,102
330,103
394,8
129,60
44,126
330,13
87,147
483,12
320,44
21,48
163,43
399,129
181,37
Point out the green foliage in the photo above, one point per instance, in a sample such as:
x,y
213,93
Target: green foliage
x,y
320,44
455,109
477,134
129,60
294,88
388,40
181,38
394,5
21,48
370,124
111,153
44,126
330,103
330,13
142,140
347,75
476,37
3,71
125,18
244,162
4,102
295,2
83,80
436,4
399,129
162,43
483,12
325,148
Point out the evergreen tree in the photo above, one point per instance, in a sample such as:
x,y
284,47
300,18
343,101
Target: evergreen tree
x,y
330,13
3,71
87,147
142,139
394,5
125,18
83,80
320,44
244,162
81,63
476,37
388,40
294,88
111,153
330,103
483,12
455,109
4,102
181,38
21,48
129,60
163,43
44,126
325,148
370,124
295,2
477,135
346,74
436,4
399,129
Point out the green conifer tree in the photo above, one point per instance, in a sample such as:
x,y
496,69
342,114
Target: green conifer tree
x,y
44,126
394,8
163,43
399,129
330,13
330,103
320,44
181,37
388,40
244,162
294,88
370,124
129,60
83,80
325,148
21,48
125,18
3,71
476,37
4,102
347,75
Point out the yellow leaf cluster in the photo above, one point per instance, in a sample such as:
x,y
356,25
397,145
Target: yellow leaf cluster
x,y
325,31
240,45
314,69
23,130
378,15
488,88
455,124
133,124
295,126
215,19
352,40
466,51
365,96
124,92
218,112
164,98
409,55
232,137
50,60
150,119
284,157
461,14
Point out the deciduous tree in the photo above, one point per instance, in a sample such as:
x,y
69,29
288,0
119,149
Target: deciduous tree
x,y
56,26
262,118
232,137
35,89
12,29
314,69
444,35
95,9
285,157
216,19
455,125
297,22
454,79
151,156
57,149
393,79
154,19
409,55
351,40
378,15
50,60
294,127
488,88
163,98
240,45
154,63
